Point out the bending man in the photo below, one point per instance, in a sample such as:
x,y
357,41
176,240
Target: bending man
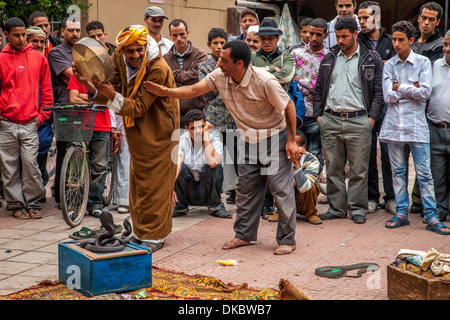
x,y
265,116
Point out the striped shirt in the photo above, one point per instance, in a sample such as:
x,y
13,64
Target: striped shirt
x,y
307,65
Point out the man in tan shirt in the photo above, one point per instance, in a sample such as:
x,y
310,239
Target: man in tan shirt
x,y
265,116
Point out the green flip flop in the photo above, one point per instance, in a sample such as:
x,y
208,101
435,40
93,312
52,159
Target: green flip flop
x,y
85,233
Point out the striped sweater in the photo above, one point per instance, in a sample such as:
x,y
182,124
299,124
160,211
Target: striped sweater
x,y
306,176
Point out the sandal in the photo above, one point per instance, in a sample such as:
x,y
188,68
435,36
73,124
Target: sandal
x,y
398,222
323,200
34,213
23,215
84,233
437,227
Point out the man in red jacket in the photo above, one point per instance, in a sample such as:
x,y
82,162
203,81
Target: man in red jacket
x,y
25,87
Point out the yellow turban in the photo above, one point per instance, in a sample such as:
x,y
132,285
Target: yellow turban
x,y
127,37
132,34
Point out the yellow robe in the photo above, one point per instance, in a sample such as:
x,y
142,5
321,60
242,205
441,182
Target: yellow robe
x,y
152,141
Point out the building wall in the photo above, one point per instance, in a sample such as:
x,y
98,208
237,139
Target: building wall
x,y
200,15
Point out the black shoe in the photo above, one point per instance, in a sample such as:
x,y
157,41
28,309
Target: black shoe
x,y
267,212
176,213
357,218
416,208
221,213
232,198
329,216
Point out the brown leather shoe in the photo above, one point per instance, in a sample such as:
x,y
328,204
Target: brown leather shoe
x,y
314,219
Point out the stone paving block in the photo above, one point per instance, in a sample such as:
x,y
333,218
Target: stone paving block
x,y
36,257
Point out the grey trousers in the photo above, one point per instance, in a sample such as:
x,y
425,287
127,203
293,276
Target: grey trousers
x,y
440,168
346,140
22,180
261,164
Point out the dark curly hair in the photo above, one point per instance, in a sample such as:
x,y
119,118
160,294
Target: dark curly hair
x,y
194,115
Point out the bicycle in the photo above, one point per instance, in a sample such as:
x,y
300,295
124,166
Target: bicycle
x,y
74,124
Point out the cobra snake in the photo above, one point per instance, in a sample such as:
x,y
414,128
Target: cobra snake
x,y
341,271
109,242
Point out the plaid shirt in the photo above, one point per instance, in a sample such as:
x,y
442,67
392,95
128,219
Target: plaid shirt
x,y
307,65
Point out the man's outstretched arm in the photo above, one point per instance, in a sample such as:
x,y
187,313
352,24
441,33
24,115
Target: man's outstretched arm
x,y
184,92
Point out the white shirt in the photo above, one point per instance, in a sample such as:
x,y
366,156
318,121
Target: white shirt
x,y
194,158
405,119
439,107
164,45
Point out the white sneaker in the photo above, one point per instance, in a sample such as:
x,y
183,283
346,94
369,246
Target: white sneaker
x,y
372,206
123,210
391,206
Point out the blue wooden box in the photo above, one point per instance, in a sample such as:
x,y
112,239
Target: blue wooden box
x,y
99,273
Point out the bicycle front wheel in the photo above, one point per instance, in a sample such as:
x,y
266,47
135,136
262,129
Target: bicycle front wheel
x,y
74,185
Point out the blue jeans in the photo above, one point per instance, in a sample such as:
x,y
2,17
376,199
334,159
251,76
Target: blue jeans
x,y
205,192
421,156
313,139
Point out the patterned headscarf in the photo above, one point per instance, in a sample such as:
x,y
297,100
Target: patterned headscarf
x,y
36,31
126,37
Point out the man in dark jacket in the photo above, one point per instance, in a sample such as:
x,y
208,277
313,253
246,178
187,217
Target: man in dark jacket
x,y
374,36
96,30
348,100
428,42
184,59
40,19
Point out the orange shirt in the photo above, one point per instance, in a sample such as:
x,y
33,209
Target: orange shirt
x,y
48,48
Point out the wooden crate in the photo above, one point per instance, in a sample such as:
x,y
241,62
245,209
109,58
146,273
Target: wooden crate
x,y
99,273
406,285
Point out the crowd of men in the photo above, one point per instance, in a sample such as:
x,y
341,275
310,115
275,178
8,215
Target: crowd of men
x,y
199,124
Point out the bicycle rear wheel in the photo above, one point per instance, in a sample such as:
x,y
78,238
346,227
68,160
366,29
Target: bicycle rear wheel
x,y
109,181
74,185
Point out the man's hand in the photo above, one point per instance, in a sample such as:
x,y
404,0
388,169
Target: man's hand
x,y
416,84
36,121
2,118
292,151
372,121
318,119
395,86
207,129
155,89
175,199
106,89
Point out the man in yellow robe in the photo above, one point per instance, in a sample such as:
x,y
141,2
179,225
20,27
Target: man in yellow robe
x,y
151,127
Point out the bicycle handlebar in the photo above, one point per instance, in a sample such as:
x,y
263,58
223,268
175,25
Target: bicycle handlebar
x,y
91,106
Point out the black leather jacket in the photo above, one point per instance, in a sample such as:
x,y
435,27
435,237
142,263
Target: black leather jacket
x,y
370,67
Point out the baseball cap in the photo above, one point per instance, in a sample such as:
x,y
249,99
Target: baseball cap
x,y
250,11
155,12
